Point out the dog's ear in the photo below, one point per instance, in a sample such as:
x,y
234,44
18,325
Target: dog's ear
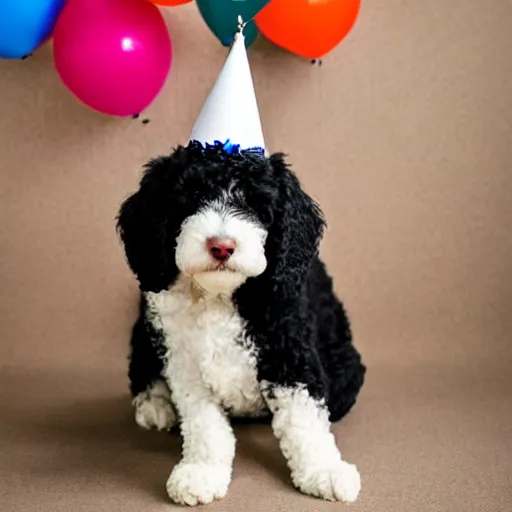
x,y
145,225
295,233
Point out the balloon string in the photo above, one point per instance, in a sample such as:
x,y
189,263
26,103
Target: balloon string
x,y
242,24
240,28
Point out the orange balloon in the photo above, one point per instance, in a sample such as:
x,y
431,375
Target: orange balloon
x,y
310,28
168,3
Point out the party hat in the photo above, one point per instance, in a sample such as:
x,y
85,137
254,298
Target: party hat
x,y
230,115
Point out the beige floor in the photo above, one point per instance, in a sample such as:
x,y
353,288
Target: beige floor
x,y
404,136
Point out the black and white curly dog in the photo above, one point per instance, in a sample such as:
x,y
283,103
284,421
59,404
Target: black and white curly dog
x,y
238,318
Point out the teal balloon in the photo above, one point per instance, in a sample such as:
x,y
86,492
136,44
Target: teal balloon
x,y
25,24
221,16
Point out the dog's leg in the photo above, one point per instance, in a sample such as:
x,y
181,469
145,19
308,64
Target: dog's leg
x,y
204,473
153,407
302,426
151,395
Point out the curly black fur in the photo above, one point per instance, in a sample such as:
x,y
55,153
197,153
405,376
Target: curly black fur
x,y
297,323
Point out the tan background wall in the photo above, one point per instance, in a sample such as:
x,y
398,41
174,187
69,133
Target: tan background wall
x,y
404,137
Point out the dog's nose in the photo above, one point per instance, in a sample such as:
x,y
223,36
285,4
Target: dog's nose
x,y
220,249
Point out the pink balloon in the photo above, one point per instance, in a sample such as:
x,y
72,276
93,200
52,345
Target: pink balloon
x,y
114,55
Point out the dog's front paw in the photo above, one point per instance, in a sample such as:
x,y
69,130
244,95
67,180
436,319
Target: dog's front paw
x,y
339,483
198,483
153,408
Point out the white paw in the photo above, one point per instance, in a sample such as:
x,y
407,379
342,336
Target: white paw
x,y
153,408
340,483
198,483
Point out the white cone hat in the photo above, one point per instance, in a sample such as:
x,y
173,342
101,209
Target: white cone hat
x,y
230,115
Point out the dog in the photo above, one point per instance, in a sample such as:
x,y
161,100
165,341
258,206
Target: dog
x,y
238,318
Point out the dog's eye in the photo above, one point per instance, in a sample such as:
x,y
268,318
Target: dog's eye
x,y
262,214
266,216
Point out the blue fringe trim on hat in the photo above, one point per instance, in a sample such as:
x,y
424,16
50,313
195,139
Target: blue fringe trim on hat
x,y
233,149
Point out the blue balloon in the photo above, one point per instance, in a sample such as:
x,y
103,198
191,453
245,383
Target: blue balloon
x,y
222,17
25,24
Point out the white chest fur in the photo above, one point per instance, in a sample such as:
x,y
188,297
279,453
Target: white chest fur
x,y
207,349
